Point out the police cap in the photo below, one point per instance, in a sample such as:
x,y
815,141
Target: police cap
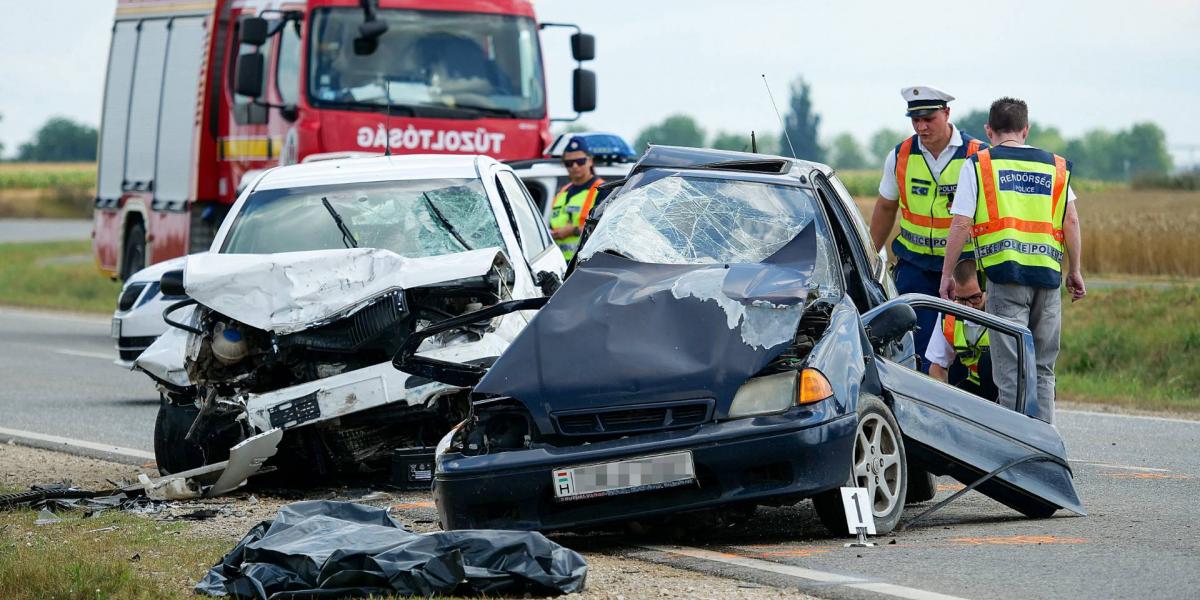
x,y
577,144
924,100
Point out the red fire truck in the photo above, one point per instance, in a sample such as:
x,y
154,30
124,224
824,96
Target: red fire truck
x,y
200,96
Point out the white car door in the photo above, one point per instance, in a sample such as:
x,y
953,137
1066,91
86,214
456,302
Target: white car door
x,y
545,261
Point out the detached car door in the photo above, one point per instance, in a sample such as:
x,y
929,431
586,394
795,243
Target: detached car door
x,y
949,431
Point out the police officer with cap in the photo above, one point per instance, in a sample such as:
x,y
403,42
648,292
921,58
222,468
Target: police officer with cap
x,y
574,201
919,179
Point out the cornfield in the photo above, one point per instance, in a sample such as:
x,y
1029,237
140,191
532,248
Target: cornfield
x,y
865,183
47,190
46,175
1141,233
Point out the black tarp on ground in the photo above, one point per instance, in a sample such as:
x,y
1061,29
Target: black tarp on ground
x,y
325,549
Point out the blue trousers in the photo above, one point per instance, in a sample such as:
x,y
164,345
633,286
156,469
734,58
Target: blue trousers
x,y
911,279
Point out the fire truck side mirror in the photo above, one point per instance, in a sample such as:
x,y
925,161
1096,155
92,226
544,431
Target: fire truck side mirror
x,y
254,31
583,46
369,33
584,90
249,75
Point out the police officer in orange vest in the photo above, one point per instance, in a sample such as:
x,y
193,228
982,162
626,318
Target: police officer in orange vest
x,y
574,201
920,177
1018,207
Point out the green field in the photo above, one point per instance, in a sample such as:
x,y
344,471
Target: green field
x,y
55,275
46,175
1137,347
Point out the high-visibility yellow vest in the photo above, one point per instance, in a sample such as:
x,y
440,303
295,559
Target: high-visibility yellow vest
x,y
925,202
967,353
572,211
1019,215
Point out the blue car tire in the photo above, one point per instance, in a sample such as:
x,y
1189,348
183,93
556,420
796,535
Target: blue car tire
x,y
878,464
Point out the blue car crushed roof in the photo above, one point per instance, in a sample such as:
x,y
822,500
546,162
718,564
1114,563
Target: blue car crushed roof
x,y
726,339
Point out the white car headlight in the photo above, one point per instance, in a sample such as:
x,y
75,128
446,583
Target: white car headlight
x,y
773,394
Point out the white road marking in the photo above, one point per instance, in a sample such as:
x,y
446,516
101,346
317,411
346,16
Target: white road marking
x,y
822,577
1121,416
1126,467
81,444
51,315
85,353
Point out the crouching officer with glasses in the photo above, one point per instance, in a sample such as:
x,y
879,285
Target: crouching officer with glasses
x,y
959,350
1016,202
574,201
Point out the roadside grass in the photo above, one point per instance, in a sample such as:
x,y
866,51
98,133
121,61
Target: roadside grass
x,y
55,275
47,190
110,555
1137,347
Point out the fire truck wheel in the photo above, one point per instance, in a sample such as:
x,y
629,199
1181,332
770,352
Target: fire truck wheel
x,y
134,257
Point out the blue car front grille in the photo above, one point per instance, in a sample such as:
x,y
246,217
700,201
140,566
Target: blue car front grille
x,y
628,419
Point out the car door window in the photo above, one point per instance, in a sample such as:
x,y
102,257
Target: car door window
x,y
860,271
534,237
970,369
856,219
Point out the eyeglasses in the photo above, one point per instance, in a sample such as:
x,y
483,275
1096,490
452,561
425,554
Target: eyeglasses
x,y
972,299
578,162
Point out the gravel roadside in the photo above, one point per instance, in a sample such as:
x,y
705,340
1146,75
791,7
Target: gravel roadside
x,y
611,577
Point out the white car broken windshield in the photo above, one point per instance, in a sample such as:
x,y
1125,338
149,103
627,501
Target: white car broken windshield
x,y
417,218
699,220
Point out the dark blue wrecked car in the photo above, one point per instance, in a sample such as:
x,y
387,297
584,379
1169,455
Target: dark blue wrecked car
x,y
727,339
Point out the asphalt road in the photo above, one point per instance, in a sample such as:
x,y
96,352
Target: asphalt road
x,y
1137,476
44,230
57,378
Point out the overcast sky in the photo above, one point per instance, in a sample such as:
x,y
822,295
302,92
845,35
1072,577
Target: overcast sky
x,y
1079,64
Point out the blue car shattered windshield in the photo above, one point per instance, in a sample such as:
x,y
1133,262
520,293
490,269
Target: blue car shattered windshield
x,y
699,220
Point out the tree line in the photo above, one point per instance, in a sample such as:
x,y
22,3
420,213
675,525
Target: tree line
x,y
60,139
1139,151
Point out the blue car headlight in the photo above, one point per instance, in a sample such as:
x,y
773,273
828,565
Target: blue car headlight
x,y
773,394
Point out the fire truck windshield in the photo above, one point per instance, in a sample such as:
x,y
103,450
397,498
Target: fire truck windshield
x,y
438,64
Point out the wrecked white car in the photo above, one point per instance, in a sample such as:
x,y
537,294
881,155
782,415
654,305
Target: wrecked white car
x,y
314,280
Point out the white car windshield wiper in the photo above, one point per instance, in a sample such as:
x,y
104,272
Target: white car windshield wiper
x,y
347,237
437,213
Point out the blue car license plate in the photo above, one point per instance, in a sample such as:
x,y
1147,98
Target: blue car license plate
x,y
623,476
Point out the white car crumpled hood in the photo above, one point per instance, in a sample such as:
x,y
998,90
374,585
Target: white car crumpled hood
x,y
289,292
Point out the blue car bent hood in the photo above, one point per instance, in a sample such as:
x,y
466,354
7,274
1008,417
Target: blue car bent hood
x,y
621,332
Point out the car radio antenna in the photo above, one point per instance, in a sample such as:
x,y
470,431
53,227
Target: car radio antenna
x,y
387,117
781,124
753,143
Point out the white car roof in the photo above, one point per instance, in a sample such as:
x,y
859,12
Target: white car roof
x,y
382,168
